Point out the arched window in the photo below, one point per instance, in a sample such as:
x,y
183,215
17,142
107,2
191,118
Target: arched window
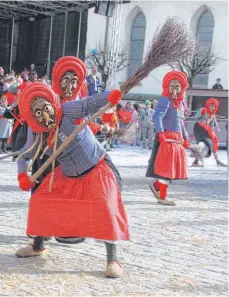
x,y
204,34
137,41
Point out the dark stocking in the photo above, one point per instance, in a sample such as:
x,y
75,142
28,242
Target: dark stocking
x,y
111,252
38,243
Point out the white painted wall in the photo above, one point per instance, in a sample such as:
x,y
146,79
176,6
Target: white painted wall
x,y
156,12
95,29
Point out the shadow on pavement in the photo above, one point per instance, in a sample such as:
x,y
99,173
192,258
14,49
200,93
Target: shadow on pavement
x,y
9,188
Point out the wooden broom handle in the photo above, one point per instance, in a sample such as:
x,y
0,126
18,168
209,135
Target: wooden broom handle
x,y
14,116
174,141
10,155
66,142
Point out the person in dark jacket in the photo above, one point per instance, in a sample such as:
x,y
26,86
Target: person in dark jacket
x,y
217,85
93,82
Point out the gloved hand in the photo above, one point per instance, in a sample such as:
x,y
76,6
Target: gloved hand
x,y
161,138
115,97
24,181
204,111
78,121
186,144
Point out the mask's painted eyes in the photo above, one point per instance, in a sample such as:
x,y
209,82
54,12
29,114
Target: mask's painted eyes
x,y
38,113
74,81
177,88
65,81
47,108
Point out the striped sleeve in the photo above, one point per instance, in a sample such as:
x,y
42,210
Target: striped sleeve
x,y
160,111
81,109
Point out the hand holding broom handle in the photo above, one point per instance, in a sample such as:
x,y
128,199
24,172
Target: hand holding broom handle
x,y
66,142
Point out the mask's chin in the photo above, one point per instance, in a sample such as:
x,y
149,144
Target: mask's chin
x,y
50,124
67,94
174,97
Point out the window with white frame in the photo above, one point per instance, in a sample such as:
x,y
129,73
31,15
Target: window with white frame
x,y
204,34
137,41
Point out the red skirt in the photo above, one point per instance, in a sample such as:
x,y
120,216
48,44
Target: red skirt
x,y
88,206
211,134
171,160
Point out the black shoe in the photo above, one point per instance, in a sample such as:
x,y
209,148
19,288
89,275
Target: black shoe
x,y
70,240
154,191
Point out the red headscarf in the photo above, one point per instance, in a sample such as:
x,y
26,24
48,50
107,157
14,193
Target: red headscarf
x,y
26,97
209,102
182,78
64,64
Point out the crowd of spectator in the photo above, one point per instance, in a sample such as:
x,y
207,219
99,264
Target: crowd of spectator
x,y
139,114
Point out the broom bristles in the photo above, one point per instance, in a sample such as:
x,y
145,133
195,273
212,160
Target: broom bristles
x,y
127,133
171,43
196,152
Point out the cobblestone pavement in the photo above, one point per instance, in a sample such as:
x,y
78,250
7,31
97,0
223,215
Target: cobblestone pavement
x,y
173,251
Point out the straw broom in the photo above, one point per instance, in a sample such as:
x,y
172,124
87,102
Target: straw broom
x,y
171,42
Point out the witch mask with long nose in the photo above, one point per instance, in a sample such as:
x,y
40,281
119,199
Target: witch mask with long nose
x,y
40,107
68,76
43,112
68,84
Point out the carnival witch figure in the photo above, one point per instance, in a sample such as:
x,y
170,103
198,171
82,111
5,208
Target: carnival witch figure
x,y
81,203
205,136
168,160
71,86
